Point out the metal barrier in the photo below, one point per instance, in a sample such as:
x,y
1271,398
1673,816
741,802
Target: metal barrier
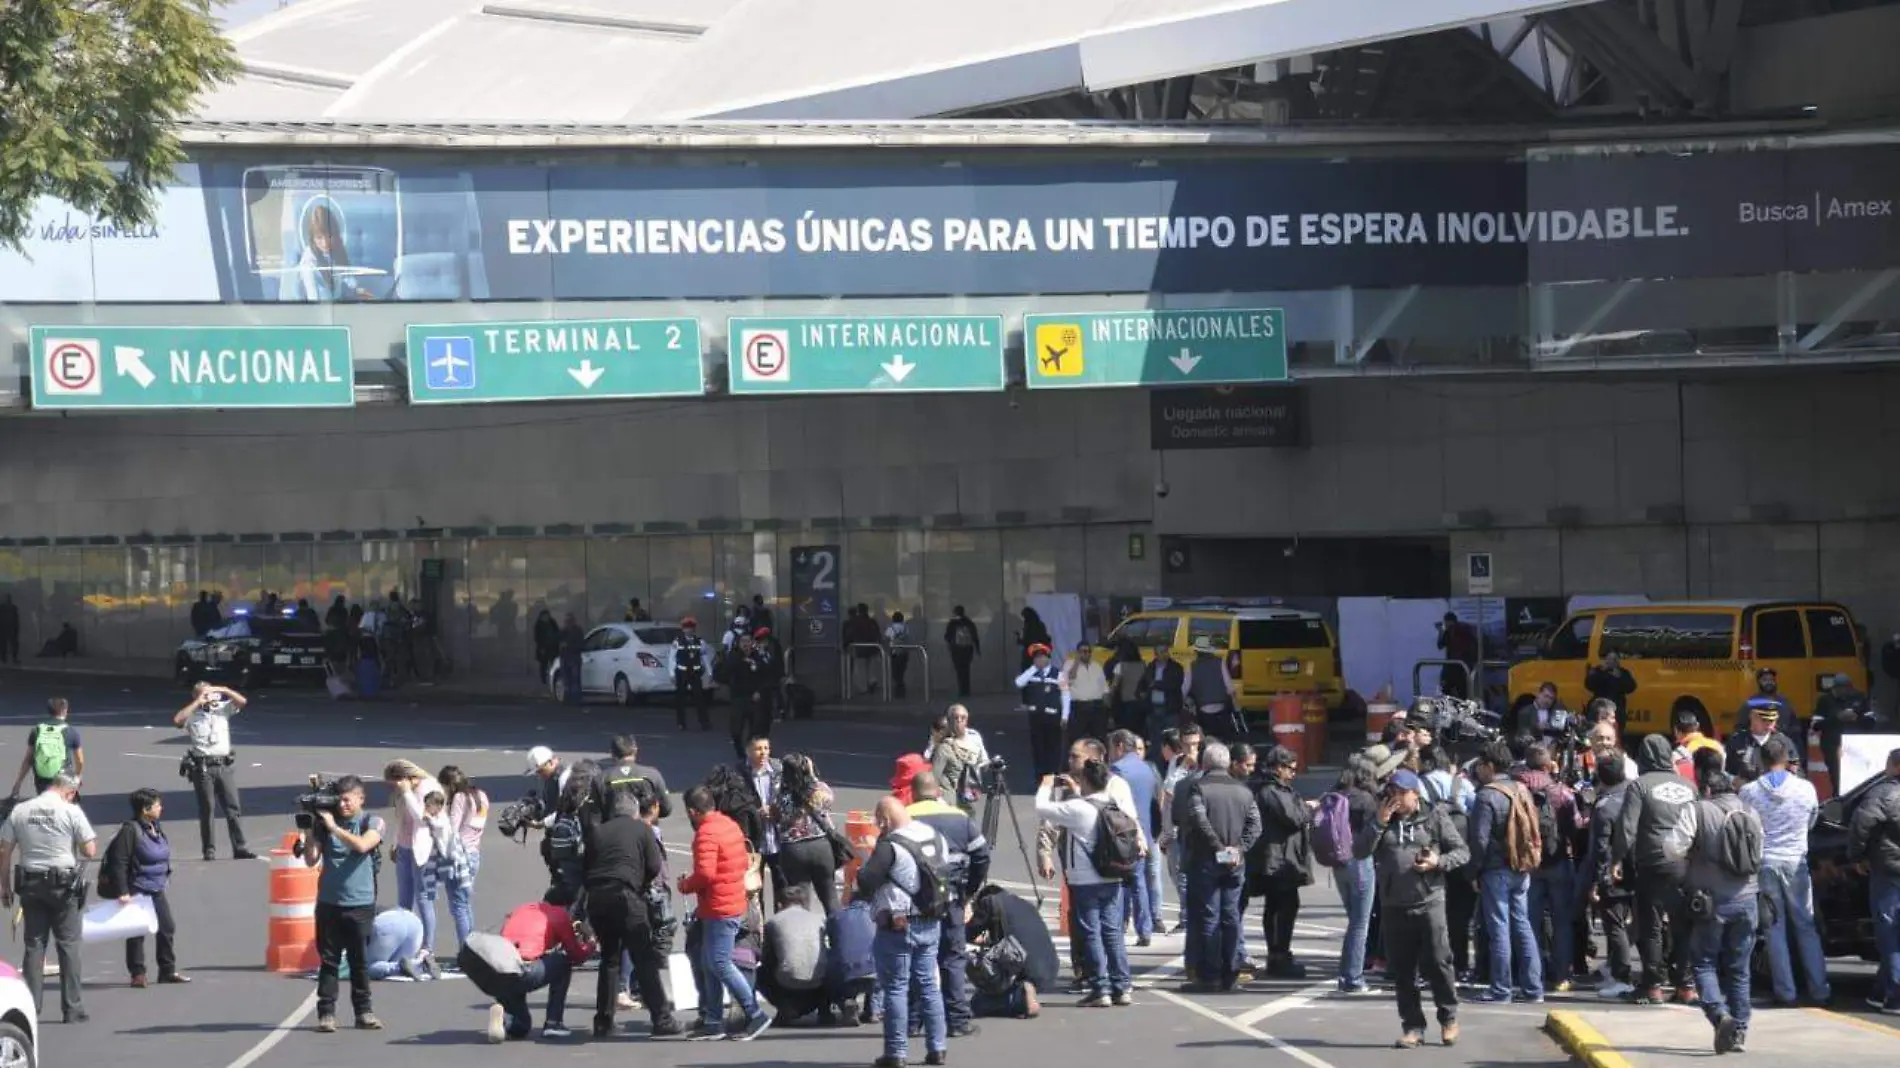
x,y
1474,680
844,667
926,653
1418,669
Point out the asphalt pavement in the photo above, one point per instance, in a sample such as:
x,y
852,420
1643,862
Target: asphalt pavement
x,y
236,1014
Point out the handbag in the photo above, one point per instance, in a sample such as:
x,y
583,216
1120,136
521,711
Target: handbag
x,y
754,872
841,851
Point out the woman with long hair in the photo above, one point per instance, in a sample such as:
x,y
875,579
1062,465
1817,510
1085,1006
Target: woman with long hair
x,y
802,811
415,846
468,817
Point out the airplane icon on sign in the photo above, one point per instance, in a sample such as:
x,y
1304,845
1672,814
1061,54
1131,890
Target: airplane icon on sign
x,y
1052,359
449,362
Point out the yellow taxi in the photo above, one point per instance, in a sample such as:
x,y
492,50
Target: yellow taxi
x,y
1269,651
1701,655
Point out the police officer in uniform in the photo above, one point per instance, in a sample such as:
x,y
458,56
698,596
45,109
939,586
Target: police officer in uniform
x,y
42,844
209,764
689,674
1046,695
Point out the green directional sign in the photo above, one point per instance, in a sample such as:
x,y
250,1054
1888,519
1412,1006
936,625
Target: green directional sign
x,y
171,367
1082,350
866,354
568,359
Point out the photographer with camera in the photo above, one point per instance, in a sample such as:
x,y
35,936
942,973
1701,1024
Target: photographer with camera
x,y
1412,848
343,839
210,765
47,836
623,862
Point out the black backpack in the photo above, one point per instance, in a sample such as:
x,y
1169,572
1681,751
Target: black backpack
x,y
1452,806
1116,853
1553,839
933,897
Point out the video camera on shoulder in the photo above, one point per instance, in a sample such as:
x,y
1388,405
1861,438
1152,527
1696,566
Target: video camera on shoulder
x,y
514,819
323,797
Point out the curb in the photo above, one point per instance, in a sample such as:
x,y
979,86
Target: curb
x,y
1582,1041
1864,1024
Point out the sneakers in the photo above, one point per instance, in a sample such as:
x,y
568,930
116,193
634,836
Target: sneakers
x,y
241,854
1243,977
755,1027
666,1028
964,1030
1449,1032
368,1022
1096,1001
173,979
1651,996
138,982
1144,941
1125,998
497,1030
706,1033
554,1029
433,966
1286,968
1564,986
1725,1031
625,1003
937,1056
1614,990
326,1025
1409,1040
1492,997
410,970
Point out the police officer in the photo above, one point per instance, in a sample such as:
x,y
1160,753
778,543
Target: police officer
x,y
689,674
968,869
1046,695
46,838
209,763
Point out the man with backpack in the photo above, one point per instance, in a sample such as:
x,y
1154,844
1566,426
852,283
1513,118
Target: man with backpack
x,y
1554,883
1508,844
906,879
1651,843
1223,825
52,750
1093,828
1721,886
1412,847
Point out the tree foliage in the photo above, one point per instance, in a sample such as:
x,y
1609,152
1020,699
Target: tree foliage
x,y
90,92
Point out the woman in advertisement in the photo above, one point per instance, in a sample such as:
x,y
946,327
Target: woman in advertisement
x,y
324,269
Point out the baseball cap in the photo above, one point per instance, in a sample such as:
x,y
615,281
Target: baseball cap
x,y
538,756
1405,780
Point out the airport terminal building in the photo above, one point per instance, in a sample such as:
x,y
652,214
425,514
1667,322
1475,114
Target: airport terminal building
x,y
1626,333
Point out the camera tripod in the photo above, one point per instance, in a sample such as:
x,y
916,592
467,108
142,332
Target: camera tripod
x,y
998,787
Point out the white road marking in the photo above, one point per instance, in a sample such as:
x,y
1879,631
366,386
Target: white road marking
x,y
1296,1000
1257,1035
150,756
270,1041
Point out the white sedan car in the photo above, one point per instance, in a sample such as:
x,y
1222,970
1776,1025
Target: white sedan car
x,y
19,1022
627,660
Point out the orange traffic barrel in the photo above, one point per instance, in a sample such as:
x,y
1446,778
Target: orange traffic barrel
x,y
861,831
1817,768
293,914
1378,714
1289,725
1313,710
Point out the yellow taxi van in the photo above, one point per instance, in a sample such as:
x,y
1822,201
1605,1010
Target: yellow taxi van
x,y
1269,651
1701,655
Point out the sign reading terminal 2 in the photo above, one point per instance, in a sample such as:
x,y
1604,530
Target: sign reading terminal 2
x,y
179,367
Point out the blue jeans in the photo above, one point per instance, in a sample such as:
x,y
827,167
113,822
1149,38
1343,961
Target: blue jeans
x,y
1354,882
413,895
1138,900
1554,890
1507,924
1097,908
1213,934
907,959
1155,871
1789,885
552,970
718,975
462,901
1719,948
391,943
1884,893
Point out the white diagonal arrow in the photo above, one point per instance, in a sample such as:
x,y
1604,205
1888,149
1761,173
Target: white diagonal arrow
x,y
587,374
1186,362
131,361
897,368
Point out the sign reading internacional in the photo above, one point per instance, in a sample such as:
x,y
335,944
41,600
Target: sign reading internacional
x,y
581,359
174,367
867,354
1155,348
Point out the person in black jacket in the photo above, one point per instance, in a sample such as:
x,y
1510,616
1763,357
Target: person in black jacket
x,y
746,678
1874,840
1613,682
1412,846
623,861
1604,886
1282,861
998,917
1221,825
1163,686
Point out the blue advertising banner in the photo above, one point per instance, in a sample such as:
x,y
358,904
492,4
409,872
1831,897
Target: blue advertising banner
x,y
283,231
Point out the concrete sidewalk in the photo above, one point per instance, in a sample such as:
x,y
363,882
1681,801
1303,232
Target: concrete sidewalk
x,y
1677,1037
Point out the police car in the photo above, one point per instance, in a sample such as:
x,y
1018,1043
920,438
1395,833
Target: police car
x,y
19,1023
250,650
627,660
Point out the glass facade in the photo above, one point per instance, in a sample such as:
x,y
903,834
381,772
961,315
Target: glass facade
x,y
134,602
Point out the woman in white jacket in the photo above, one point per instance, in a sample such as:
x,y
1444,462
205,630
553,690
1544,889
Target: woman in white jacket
x,y
415,846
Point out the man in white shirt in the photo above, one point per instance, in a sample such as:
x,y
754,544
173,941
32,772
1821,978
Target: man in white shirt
x,y
210,765
1088,696
1788,806
1050,851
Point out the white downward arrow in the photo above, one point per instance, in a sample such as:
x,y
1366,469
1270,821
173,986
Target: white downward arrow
x,y
587,374
130,361
897,368
1186,362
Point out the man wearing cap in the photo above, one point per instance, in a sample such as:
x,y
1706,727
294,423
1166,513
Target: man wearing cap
x,y
1211,689
1088,695
1045,693
1767,692
1412,847
689,675
1744,748
552,773
1841,710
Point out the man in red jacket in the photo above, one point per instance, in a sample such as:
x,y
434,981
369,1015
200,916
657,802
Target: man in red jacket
x,y
718,881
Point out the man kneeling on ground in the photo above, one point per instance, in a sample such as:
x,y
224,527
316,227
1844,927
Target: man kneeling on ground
x,y
792,965
538,947
1013,956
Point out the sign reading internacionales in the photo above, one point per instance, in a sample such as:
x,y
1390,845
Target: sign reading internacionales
x,y
860,354
581,359
173,367
1155,348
